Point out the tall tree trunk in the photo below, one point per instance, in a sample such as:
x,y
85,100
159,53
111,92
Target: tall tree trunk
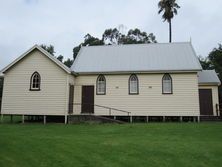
x,y
170,31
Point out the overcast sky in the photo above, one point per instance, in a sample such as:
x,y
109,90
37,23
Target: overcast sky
x,y
63,23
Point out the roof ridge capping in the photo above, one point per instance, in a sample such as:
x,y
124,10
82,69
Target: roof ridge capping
x,y
50,56
116,45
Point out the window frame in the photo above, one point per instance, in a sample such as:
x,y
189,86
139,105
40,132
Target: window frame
x,y
31,82
97,88
129,91
171,91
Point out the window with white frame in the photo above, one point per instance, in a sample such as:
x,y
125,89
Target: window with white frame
x,y
101,85
167,84
133,84
35,81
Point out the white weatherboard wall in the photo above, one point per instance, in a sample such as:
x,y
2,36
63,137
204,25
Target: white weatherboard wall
x,y
183,102
215,98
53,97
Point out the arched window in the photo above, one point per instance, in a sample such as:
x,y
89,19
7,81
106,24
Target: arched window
x,y
35,81
133,84
167,84
101,85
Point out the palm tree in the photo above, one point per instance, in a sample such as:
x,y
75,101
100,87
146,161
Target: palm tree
x,y
169,8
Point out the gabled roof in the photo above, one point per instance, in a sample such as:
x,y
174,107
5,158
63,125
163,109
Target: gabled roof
x,y
208,77
137,58
51,57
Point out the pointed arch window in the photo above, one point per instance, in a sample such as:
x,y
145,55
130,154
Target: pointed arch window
x,y
35,81
101,85
167,86
133,84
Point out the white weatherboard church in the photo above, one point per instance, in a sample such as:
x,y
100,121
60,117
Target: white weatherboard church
x,y
162,79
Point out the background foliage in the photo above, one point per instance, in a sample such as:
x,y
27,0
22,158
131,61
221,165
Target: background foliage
x,y
214,61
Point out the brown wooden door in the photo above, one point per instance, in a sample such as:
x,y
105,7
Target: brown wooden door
x,y
87,99
206,104
71,96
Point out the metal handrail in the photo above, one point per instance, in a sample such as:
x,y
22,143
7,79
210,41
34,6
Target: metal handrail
x,y
110,108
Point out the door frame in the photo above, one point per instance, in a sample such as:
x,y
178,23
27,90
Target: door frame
x,y
82,105
211,102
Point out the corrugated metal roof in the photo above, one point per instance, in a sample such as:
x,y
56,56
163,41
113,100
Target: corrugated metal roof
x,y
137,58
208,77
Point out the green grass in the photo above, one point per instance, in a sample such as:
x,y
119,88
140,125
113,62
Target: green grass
x,y
111,145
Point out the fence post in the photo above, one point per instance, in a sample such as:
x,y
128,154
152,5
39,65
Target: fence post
x,y
181,118
23,119
164,119
44,119
147,119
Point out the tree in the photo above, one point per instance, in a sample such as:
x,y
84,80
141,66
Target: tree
x,y
68,62
49,48
135,36
92,41
111,36
205,63
76,51
60,58
169,9
215,59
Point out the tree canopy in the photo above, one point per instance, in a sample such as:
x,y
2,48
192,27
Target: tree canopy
x,y
49,48
113,36
169,9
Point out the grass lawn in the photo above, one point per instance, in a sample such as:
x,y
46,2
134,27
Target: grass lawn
x,y
111,145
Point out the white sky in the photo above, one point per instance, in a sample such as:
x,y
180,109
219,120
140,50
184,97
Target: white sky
x,y
63,24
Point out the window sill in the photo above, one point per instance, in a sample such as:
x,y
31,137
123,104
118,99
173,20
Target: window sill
x,y
133,93
100,93
167,93
34,89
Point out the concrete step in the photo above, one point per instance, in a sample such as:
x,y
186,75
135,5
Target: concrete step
x,y
91,118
